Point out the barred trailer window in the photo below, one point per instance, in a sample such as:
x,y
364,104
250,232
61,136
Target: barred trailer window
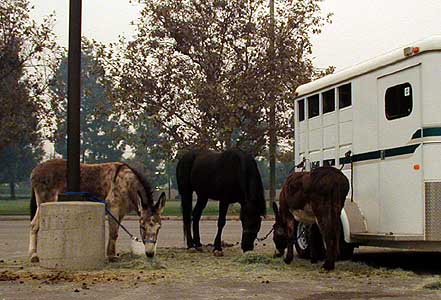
x,y
301,109
313,106
398,101
344,96
328,101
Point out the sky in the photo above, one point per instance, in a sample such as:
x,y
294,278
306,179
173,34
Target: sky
x,y
361,29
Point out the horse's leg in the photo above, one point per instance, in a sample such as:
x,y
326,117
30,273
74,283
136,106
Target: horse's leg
x,y
291,239
197,212
113,234
222,219
187,206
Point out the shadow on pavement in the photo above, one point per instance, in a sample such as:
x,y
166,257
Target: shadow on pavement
x,y
418,262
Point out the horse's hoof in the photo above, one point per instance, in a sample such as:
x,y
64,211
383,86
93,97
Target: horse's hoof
x,y
314,261
199,249
34,258
192,250
328,266
218,253
114,259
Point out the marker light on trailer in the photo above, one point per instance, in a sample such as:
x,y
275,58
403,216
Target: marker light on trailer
x,y
409,51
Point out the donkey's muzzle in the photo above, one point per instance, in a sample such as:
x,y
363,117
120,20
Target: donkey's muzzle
x,y
150,247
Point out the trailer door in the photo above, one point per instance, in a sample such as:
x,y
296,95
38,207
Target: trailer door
x,y
400,174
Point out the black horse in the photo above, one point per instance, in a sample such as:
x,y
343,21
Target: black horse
x,y
229,177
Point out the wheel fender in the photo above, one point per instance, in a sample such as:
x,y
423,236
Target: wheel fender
x,y
345,225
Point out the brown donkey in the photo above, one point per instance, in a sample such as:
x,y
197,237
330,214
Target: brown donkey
x,y
123,188
309,197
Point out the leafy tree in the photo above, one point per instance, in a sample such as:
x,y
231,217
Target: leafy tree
x,y
101,134
17,162
26,51
283,168
201,70
148,155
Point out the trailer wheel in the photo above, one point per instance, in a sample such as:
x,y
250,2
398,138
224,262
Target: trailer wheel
x,y
301,231
302,243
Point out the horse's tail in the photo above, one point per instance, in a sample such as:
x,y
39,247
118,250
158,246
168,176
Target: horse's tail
x,y
33,204
183,177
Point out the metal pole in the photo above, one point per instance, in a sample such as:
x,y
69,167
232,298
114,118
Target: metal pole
x,y
272,113
73,97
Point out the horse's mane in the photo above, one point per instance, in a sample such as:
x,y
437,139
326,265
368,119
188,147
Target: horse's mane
x,y
143,180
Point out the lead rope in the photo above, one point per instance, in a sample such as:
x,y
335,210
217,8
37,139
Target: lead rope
x,y
93,198
349,156
265,237
272,229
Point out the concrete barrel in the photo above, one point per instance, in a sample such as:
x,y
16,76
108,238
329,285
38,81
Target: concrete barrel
x,y
71,235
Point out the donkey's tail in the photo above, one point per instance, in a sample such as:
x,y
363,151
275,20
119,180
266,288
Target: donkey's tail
x,y
183,177
336,207
33,204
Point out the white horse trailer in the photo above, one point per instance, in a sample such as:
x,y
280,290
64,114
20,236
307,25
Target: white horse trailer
x,y
387,113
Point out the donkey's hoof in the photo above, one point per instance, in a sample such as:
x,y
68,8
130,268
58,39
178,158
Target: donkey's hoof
x,y
113,259
277,254
218,253
34,258
288,260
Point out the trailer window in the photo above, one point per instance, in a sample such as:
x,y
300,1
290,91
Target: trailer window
x,y
328,101
398,101
313,106
344,96
301,110
329,162
314,165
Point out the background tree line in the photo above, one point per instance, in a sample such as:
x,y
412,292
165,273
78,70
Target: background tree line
x,y
196,74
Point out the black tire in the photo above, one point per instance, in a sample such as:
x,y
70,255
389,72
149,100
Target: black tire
x,y
302,245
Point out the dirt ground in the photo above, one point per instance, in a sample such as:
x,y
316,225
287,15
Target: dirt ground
x,y
176,273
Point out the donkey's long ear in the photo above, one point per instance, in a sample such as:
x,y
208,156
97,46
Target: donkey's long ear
x,y
159,206
276,211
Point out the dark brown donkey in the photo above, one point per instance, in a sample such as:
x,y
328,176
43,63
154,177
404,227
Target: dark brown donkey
x,y
123,188
309,197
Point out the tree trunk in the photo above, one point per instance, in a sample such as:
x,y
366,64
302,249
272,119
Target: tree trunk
x,y
12,189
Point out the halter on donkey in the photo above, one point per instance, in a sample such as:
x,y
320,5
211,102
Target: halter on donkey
x,y
124,189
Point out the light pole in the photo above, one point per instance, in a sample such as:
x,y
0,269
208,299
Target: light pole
x,y
73,97
272,113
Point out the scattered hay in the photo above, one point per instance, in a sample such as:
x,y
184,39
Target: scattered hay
x,y
433,285
252,257
135,262
8,276
173,264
